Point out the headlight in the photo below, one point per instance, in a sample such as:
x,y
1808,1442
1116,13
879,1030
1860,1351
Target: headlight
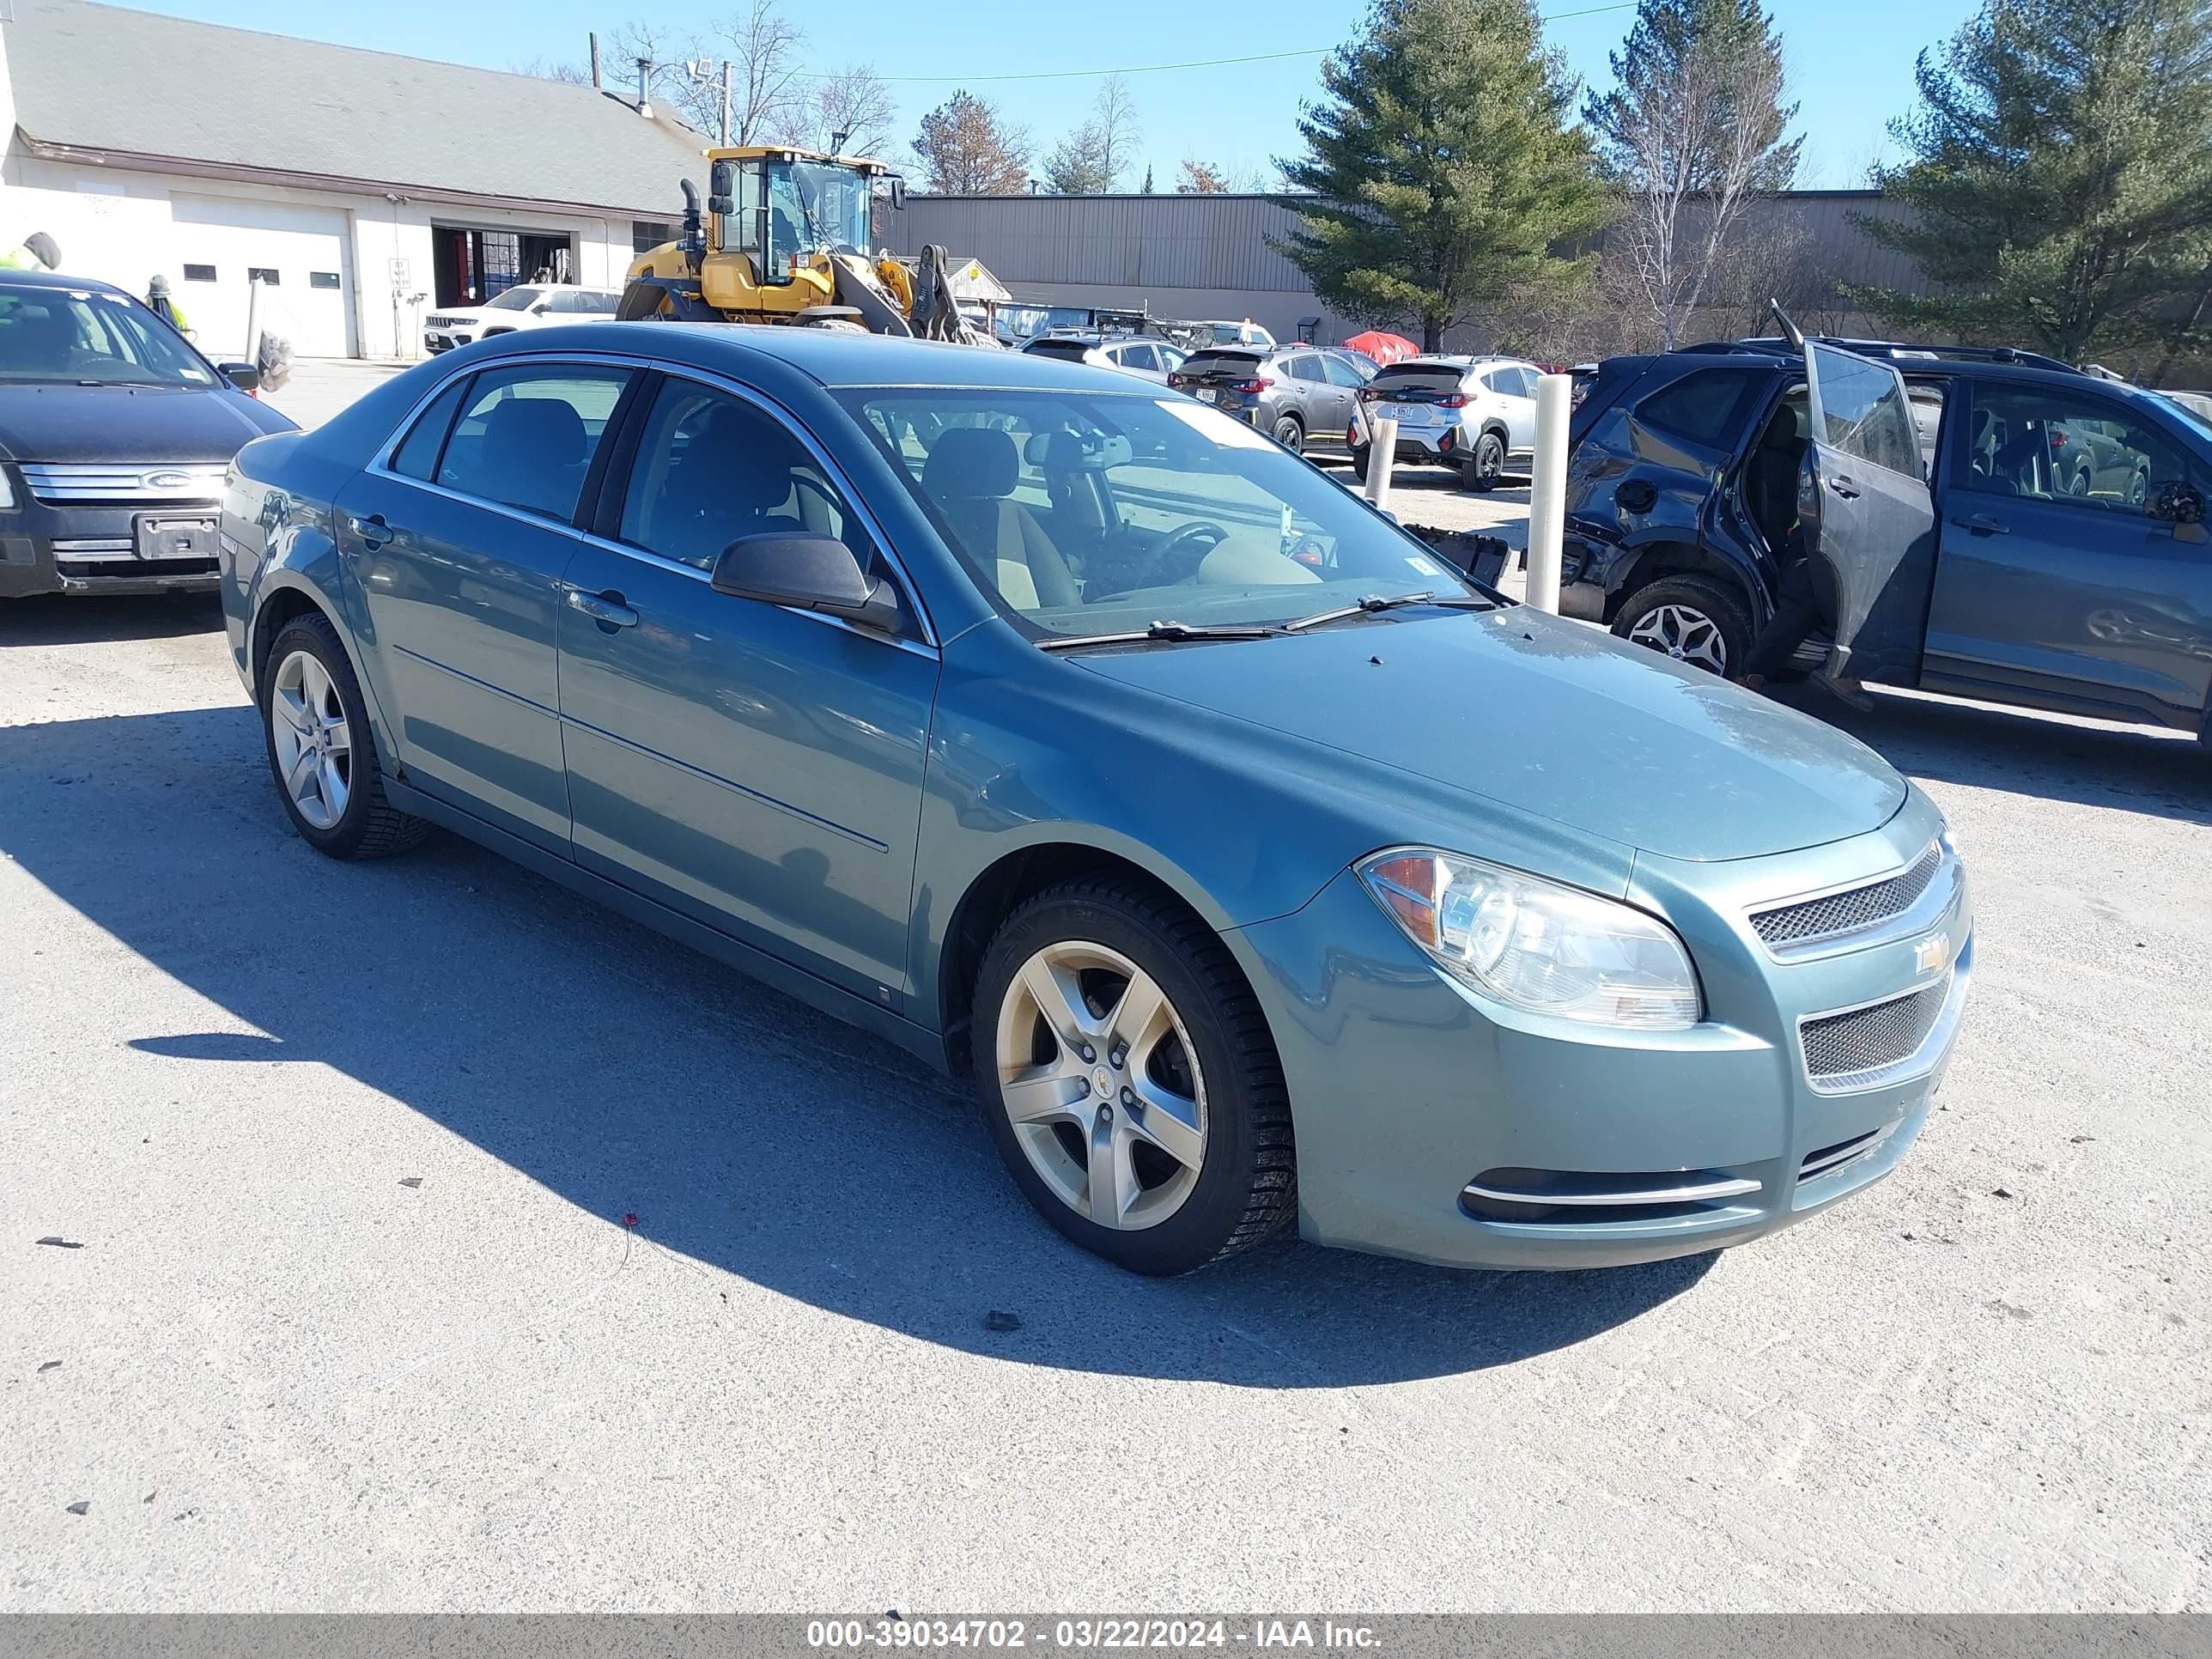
x,y
7,490
1549,949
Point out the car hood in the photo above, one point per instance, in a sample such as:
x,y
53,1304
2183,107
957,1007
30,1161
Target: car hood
x,y
130,423
1550,718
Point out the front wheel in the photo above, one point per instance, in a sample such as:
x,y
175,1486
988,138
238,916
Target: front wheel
x,y
1129,1081
321,751
1692,619
1486,468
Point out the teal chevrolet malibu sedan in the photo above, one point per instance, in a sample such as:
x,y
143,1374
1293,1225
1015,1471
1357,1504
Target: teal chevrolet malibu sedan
x,y
1258,868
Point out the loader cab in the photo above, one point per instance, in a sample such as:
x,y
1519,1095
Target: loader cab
x,y
784,209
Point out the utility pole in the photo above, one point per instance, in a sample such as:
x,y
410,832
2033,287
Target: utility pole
x,y
700,71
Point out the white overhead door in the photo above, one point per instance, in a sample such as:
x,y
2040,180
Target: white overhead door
x,y
300,251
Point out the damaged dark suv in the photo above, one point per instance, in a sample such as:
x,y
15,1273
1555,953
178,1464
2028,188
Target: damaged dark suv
x,y
1982,522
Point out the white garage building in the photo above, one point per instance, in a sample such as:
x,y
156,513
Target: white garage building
x,y
364,188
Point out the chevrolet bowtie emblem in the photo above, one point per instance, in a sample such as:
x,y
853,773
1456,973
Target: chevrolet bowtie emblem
x,y
1931,953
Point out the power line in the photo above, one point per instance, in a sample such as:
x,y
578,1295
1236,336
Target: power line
x,y
1164,69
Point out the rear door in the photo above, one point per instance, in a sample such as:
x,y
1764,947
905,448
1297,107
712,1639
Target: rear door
x,y
1514,388
1868,521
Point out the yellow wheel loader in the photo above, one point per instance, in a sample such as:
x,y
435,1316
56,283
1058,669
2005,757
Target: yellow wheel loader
x,y
784,239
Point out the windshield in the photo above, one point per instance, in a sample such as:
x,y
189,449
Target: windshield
x,y
515,299
815,208
1084,513
80,335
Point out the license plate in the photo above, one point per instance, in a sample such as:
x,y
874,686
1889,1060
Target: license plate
x,y
161,537
1207,395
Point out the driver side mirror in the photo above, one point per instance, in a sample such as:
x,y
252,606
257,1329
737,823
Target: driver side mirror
x,y
245,376
807,571
722,188
898,194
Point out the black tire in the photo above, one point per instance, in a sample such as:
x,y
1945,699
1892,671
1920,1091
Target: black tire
x,y
370,827
1290,433
1485,470
1360,463
1245,1189
1722,604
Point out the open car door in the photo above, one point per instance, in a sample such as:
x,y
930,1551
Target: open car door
x,y
1869,523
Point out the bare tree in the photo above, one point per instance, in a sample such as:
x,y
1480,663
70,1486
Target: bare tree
x,y
1115,115
547,69
855,103
664,53
1693,133
767,100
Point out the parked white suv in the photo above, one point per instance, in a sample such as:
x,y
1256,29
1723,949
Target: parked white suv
x,y
1475,414
527,305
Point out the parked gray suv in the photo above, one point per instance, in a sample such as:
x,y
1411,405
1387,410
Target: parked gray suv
x,y
1300,396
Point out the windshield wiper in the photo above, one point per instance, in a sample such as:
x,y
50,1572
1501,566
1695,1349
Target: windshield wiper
x,y
1374,603
1163,631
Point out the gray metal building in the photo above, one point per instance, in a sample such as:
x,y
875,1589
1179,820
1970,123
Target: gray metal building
x,y
1212,257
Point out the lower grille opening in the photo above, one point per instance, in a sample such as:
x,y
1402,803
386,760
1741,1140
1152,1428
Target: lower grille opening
x,y
1829,1160
135,570
1869,1039
1582,1198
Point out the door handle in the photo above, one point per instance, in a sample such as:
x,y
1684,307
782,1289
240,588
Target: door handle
x,y
372,530
1982,523
1844,488
605,609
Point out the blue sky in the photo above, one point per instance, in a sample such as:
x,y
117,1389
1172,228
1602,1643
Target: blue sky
x,y
1851,64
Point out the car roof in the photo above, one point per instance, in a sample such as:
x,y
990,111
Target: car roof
x,y
829,357
56,279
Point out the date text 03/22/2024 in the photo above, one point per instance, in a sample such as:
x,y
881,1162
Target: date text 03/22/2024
x,y
1089,1634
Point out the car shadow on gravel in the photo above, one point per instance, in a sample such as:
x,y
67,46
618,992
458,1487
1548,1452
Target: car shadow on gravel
x,y
2131,768
67,619
636,1079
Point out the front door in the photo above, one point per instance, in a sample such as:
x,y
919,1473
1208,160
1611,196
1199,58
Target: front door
x,y
2056,579
456,549
1868,521
759,769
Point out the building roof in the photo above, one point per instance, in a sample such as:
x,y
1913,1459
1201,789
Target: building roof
x,y
138,87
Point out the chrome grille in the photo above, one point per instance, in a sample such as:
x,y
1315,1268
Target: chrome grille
x,y
81,484
1852,910
444,322
1871,1039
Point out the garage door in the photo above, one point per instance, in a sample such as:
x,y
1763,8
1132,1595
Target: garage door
x,y
300,250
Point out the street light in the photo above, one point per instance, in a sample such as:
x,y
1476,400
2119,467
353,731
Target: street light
x,y
703,74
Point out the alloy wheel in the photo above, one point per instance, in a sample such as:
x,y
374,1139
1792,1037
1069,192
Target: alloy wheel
x,y
1290,434
1490,458
313,743
1684,632
1099,1079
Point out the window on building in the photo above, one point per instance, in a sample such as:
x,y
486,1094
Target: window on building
x,y
262,274
645,234
322,279
199,273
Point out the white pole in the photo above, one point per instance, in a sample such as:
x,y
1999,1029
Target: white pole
x,y
1548,490
254,321
1382,456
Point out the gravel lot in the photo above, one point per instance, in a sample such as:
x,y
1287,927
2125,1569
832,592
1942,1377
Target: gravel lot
x,y
447,1243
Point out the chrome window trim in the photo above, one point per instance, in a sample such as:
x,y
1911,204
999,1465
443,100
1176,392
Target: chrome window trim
x,y
1922,1061
380,465
1935,901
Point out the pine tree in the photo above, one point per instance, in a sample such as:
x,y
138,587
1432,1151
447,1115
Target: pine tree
x,y
1691,133
1148,178
1440,176
2058,191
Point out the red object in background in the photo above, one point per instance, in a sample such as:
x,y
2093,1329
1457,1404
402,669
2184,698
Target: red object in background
x,y
630,1220
1384,349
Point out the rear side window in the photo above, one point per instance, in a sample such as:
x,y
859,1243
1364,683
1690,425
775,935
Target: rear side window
x,y
526,436
1863,412
418,455
1707,407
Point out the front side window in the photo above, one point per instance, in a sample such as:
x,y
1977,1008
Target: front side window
x,y
1085,514
2057,445
1342,372
84,336
712,469
1863,412
526,437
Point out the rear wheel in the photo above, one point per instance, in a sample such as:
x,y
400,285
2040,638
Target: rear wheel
x,y
1360,463
1129,1080
1291,434
1482,470
321,751
1693,619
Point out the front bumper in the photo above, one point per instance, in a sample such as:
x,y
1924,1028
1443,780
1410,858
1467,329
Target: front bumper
x,y
46,548
1433,1125
435,340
